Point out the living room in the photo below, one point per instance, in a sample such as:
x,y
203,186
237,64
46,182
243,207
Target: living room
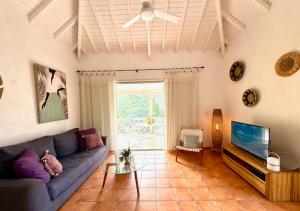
x,y
237,57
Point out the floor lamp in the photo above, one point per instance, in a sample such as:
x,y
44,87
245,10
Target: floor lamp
x,y
217,130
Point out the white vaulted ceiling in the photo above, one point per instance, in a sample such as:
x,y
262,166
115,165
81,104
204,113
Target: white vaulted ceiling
x,y
95,26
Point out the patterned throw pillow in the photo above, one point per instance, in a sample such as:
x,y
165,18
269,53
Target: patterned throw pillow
x,y
93,141
190,141
51,164
28,165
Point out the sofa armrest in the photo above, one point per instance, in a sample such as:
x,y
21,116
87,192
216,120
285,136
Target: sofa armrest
x,y
24,194
104,140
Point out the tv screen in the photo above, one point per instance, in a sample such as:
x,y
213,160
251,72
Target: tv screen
x,y
254,139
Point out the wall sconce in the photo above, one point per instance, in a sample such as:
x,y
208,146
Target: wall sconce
x,y
1,87
217,130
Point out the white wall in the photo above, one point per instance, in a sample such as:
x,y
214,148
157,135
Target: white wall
x,y
259,47
21,45
210,77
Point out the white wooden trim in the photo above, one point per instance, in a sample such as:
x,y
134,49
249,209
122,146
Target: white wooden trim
x,y
131,28
198,25
263,5
38,9
163,44
65,27
220,25
234,21
79,32
115,25
90,39
212,29
181,26
99,23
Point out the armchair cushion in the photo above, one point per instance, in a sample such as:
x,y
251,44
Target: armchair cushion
x,y
190,141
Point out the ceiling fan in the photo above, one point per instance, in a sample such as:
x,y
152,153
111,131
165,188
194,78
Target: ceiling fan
x,y
147,14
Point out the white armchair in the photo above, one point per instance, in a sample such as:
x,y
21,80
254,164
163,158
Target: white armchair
x,y
190,132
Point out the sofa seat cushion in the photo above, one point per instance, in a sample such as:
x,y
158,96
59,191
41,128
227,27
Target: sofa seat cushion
x,y
73,167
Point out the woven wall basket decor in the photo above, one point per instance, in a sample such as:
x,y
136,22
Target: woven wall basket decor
x,y
236,71
1,87
288,64
249,97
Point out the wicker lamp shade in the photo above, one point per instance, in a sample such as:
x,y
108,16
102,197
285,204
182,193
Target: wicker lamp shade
x,y
217,130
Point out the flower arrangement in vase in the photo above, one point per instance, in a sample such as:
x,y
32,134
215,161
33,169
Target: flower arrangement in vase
x,y
125,155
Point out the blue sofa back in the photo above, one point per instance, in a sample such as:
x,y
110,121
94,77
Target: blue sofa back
x,y
10,153
59,145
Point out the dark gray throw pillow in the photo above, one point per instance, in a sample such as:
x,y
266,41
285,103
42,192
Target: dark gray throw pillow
x,y
66,143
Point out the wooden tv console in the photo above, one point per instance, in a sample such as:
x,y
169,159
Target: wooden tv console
x,y
276,186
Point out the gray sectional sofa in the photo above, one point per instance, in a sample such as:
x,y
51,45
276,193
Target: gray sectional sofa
x,y
17,194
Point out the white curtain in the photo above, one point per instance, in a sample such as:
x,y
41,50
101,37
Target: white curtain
x,y
98,105
182,102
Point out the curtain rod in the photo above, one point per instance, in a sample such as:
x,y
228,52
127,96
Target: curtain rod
x,y
138,70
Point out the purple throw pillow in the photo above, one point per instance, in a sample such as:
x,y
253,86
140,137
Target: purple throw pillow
x,y
93,141
28,165
81,134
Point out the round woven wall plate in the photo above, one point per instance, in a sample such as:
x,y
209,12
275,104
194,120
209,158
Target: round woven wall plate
x,y
288,64
249,97
1,87
236,71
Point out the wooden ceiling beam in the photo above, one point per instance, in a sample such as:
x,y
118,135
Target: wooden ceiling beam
x,y
65,27
148,27
79,32
263,5
197,25
99,23
234,21
38,9
90,39
163,44
220,25
74,47
131,28
226,44
181,26
210,33
115,25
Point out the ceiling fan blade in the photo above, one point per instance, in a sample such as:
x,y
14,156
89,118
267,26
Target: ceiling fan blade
x,y
132,21
166,16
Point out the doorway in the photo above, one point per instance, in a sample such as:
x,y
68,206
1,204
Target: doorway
x,y
141,116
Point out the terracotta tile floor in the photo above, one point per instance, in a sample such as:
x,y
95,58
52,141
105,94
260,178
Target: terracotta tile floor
x,y
167,185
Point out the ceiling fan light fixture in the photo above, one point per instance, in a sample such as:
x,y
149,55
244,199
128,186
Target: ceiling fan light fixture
x,y
147,14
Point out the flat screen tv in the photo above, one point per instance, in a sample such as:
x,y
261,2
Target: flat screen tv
x,y
252,138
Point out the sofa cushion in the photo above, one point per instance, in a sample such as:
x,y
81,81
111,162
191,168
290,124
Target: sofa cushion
x,y
66,143
10,153
28,165
81,134
93,141
74,166
52,165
